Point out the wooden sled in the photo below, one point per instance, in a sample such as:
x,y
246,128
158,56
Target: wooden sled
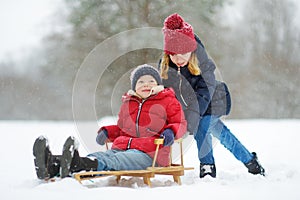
x,y
175,170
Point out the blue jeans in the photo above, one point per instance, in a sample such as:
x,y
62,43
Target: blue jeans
x,y
211,125
116,160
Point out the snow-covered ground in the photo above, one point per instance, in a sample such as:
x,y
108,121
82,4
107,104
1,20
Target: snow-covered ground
x,y
275,141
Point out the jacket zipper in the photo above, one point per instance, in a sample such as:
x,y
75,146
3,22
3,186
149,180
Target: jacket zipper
x,y
139,113
180,83
138,117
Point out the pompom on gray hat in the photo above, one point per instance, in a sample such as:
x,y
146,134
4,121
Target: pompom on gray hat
x,y
142,70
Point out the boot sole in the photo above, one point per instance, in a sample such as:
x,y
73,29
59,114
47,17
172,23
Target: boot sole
x,y
66,158
39,148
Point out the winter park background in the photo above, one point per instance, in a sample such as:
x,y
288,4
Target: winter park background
x,y
48,87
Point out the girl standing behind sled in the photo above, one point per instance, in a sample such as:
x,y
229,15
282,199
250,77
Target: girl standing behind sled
x,y
186,68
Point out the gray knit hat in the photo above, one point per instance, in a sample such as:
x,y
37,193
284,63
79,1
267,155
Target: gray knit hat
x,y
142,70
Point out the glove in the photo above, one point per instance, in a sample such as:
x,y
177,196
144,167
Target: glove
x,y
168,136
101,137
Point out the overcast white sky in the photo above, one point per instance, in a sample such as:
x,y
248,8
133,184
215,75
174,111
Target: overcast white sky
x,y
23,23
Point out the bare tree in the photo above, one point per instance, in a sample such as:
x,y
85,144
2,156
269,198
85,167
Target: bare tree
x,y
266,49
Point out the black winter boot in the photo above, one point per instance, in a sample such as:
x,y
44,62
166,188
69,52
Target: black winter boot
x,y
83,163
46,165
54,166
207,169
71,162
254,166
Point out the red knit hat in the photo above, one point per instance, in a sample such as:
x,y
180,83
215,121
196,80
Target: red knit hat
x,y
178,36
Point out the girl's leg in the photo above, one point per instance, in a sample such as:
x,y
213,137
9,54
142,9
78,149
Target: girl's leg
x,y
212,125
240,152
229,141
122,160
204,141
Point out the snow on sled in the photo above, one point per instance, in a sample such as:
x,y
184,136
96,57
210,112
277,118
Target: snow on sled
x,y
175,170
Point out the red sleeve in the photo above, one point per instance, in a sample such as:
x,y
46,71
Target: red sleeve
x,y
175,118
113,131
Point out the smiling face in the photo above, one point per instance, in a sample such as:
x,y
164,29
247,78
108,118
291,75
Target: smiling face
x,y
181,59
144,85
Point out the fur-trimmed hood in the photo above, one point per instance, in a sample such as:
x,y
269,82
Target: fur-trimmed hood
x,y
154,90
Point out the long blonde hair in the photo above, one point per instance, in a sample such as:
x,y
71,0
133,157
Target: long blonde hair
x,y
192,66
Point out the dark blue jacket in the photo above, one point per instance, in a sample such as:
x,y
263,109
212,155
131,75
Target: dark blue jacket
x,y
194,92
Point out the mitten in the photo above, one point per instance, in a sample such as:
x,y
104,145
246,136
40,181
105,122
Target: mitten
x,y
168,136
101,137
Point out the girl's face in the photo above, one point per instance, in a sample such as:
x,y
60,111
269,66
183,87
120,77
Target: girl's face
x,y
181,59
144,85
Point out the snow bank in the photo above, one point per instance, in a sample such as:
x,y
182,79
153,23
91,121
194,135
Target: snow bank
x,y
275,141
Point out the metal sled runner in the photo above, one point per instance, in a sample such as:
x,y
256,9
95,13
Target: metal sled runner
x,y
175,170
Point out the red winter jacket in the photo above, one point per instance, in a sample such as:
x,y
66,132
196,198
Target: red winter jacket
x,y
142,121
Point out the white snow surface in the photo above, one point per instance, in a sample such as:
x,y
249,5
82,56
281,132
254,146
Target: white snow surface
x,y
275,141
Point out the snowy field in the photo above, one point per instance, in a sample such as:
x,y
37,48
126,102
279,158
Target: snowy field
x,y
275,141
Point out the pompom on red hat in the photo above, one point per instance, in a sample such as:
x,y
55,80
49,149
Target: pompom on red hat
x,y
178,36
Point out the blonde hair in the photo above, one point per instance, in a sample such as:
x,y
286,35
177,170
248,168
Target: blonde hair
x,y
192,66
